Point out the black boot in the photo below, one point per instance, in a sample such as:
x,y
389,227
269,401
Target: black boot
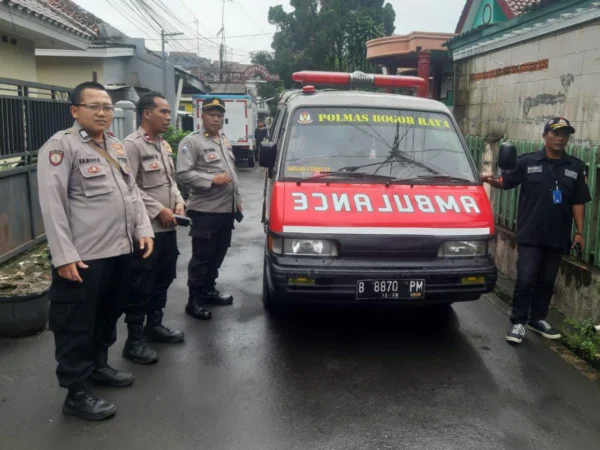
x,y
155,331
196,309
214,297
82,402
136,348
108,376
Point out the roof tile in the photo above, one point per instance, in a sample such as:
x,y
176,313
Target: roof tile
x,y
53,14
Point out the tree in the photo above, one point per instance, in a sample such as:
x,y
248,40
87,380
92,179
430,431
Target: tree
x,y
327,34
270,89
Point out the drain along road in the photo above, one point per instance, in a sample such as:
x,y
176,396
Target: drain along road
x,y
311,379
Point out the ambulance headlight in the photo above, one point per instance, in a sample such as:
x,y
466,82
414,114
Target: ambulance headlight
x,y
461,249
309,247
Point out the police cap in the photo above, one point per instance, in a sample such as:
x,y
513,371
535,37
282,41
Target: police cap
x,y
213,103
558,123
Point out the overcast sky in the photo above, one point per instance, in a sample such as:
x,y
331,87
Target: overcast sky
x,y
249,17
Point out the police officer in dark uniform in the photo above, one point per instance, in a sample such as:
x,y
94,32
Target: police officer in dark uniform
x,y
206,164
553,194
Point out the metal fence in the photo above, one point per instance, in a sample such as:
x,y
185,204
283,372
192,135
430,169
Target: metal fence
x,y
30,113
505,203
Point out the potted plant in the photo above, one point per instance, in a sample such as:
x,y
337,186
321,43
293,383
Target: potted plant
x,y
24,285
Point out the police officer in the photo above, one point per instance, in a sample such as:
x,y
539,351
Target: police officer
x,y
94,219
205,163
553,193
151,163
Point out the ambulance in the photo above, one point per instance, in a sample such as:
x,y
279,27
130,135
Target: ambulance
x,y
371,198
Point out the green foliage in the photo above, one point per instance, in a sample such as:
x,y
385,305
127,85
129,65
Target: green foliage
x,y
582,338
270,89
173,137
327,35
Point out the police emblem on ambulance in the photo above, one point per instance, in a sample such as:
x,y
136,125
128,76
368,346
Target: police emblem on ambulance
x,y
94,169
304,118
119,150
56,157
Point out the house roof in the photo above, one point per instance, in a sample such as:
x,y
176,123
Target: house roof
x,y
45,10
511,8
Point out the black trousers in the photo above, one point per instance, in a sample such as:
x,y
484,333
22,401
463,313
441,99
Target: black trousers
x,y
537,268
211,238
151,278
83,316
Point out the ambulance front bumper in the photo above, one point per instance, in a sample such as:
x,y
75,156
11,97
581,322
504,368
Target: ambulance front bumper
x,y
293,280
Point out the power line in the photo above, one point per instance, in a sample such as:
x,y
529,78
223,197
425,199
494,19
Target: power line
x,y
228,37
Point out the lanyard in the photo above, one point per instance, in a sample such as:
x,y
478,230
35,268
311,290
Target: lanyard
x,y
558,187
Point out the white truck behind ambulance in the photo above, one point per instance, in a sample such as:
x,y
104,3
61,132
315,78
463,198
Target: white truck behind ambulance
x,y
239,126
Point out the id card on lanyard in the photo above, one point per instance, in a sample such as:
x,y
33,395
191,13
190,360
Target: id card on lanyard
x,y
557,197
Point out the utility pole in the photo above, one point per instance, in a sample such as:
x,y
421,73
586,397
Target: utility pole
x,y
164,35
222,48
197,40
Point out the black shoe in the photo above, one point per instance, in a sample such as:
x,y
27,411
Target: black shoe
x,y
196,310
83,403
543,328
163,334
107,376
136,349
515,334
156,332
214,297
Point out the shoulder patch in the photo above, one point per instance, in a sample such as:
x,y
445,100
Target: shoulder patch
x,y
56,157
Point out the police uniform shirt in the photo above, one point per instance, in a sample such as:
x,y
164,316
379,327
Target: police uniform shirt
x,y
199,159
91,209
152,167
540,221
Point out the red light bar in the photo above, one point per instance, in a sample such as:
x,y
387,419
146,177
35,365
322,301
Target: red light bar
x,y
358,79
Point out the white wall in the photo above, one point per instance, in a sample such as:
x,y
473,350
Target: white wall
x,y
516,106
17,61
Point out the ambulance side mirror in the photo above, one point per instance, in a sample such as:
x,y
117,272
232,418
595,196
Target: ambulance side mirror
x,y
267,155
507,157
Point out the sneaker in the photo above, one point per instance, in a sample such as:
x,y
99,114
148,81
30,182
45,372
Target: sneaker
x,y
515,333
544,328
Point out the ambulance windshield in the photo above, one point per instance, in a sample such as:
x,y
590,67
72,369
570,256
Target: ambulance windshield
x,y
394,143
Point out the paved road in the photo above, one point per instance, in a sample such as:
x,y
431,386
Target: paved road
x,y
315,379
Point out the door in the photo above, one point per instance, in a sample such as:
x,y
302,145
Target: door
x,y
236,122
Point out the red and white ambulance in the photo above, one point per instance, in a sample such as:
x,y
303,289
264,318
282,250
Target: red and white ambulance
x,y
372,198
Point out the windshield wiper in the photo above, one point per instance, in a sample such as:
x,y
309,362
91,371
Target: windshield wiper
x,y
355,175
426,178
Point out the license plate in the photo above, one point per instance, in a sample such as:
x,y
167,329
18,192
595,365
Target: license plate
x,y
390,289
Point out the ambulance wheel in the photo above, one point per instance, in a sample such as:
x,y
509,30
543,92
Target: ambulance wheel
x,y
251,162
267,298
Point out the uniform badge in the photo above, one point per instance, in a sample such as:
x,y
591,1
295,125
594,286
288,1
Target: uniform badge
x,y
110,133
206,135
56,157
126,169
154,165
119,150
147,137
83,134
185,149
94,169
304,118
212,156
168,147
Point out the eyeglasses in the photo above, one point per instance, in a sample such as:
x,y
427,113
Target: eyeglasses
x,y
96,107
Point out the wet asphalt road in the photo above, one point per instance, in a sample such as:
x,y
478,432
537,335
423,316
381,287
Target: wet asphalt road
x,y
311,379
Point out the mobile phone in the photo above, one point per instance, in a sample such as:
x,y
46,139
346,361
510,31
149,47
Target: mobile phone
x,y
183,220
238,216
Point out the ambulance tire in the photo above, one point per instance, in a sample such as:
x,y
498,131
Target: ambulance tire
x,y
267,298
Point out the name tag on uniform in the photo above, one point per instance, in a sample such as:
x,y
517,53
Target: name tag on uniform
x,y
571,174
534,169
557,197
